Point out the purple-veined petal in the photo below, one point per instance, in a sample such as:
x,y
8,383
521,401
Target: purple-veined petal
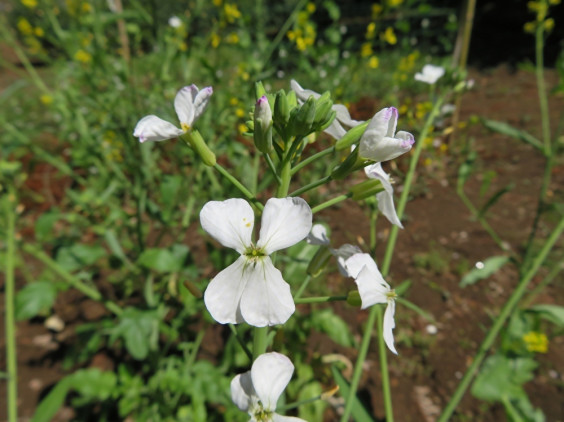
x,y
223,295
267,299
389,325
271,373
285,221
407,139
377,142
242,391
152,128
184,104
201,101
230,222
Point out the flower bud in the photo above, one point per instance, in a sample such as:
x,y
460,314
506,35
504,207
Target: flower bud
x,y
281,109
353,298
366,189
319,261
259,89
263,125
324,115
346,167
301,118
351,137
197,143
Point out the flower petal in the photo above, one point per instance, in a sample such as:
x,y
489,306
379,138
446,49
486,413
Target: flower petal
x,y
389,325
356,262
223,295
242,391
201,101
335,130
344,117
230,222
152,128
385,198
377,142
303,94
318,235
285,221
184,104
271,373
267,299
344,253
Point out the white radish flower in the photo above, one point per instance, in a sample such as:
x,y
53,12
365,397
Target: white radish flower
x,y
430,74
386,197
258,390
251,289
380,142
189,103
373,289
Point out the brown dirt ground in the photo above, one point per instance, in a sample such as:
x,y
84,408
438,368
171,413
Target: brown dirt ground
x,y
428,368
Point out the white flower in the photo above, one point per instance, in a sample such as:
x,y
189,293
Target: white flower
x,y
380,142
189,103
257,391
175,22
252,289
318,235
343,117
373,289
430,74
344,253
386,197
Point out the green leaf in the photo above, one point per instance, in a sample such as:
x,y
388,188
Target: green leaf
x,y
44,225
494,198
164,260
77,256
94,384
507,129
502,378
52,401
331,324
34,299
552,313
136,328
358,411
491,265
465,169
311,411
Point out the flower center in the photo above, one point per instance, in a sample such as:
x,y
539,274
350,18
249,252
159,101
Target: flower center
x,y
391,295
261,414
185,127
253,253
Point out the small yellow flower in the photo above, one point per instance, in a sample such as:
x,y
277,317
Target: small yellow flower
x,y
366,49
291,35
394,3
242,128
86,7
231,12
232,38
427,162
554,2
301,44
46,99
536,342
376,10
310,8
233,101
549,24
373,63
83,56
215,40
443,148
370,31
31,4
38,31
530,27
217,3
239,112
389,36
24,26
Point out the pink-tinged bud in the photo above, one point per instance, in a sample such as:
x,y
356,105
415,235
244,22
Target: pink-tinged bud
x,y
263,125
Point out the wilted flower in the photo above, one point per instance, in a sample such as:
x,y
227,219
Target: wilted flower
x,y
257,391
373,289
252,289
386,197
430,74
189,103
380,142
343,117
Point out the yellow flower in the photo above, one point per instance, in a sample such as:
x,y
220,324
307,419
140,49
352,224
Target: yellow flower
x,y
291,35
301,44
370,30
24,26
239,112
373,63
443,148
46,99
530,27
233,101
38,31
232,38
554,2
215,40
242,127
310,8
217,3
231,12
549,24
389,36
394,3
86,7
536,342
366,49
83,56
31,4
376,10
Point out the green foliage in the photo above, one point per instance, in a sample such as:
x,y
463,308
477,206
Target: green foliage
x,y
34,299
489,267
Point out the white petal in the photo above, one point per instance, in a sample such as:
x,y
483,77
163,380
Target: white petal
x,y
335,130
230,222
356,262
386,206
242,391
430,74
389,325
318,235
285,221
267,299
407,139
201,101
152,128
371,285
184,104
302,94
279,418
223,295
271,373
344,253
382,125
344,117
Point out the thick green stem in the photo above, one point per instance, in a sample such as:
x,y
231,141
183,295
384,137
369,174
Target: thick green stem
x,y
499,323
89,291
11,356
331,202
321,299
260,341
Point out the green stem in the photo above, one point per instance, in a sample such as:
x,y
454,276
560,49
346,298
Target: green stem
x,y
321,299
89,291
302,287
272,167
543,100
11,356
241,342
260,341
313,158
311,186
285,178
361,358
331,202
298,403
499,323
559,266
382,352
239,186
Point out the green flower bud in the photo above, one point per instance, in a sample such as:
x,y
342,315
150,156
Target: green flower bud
x,y
346,167
351,137
323,112
197,143
263,125
281,109
301,118
319,261
259,89
353,298
366,189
